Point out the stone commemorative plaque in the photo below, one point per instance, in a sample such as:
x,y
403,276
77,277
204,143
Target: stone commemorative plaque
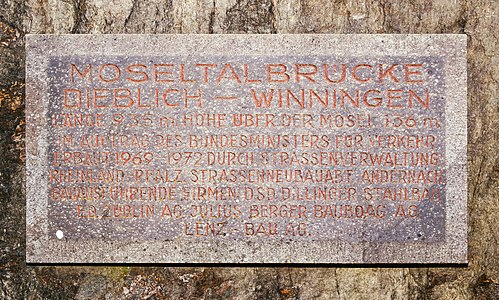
x,y
246,149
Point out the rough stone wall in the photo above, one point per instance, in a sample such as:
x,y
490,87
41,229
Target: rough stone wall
x,y
477,18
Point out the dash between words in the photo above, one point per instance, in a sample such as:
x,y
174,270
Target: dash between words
x,y
394,86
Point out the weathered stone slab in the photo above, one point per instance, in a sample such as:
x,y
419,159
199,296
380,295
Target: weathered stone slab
x,y
245,148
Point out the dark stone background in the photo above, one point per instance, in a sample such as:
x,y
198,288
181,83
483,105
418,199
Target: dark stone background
x,y
478,19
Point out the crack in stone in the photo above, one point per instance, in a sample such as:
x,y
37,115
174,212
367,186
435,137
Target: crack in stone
x,y
80,10
212,18
132,11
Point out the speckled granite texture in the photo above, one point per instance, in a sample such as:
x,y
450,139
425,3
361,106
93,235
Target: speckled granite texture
x,y
410,116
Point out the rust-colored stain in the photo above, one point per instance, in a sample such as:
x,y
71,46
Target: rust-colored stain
x,y
18,138
288,292
484,279
8,35
11,97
